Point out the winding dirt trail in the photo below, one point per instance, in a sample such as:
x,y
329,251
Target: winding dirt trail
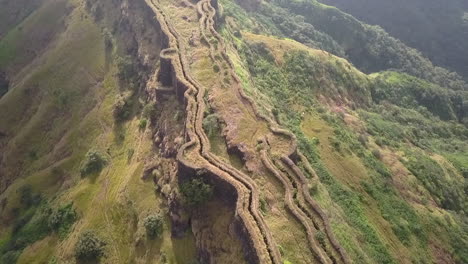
x,y
263,143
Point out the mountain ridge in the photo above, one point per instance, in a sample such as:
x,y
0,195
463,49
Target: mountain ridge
x,y
241,131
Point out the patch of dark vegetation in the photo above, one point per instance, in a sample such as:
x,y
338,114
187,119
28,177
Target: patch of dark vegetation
x,y
142,124
211,124
127,71
4,84
89,248
122,109
448,194
196,192
62,219
154,225
27,197
32,222
94,162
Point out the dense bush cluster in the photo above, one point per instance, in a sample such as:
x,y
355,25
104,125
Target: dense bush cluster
x,y
33,221
29,226
447,191
62,219
409,92
122,108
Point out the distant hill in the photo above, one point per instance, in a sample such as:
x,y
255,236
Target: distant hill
x,y
439,29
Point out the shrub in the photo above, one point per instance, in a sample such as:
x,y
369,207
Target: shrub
x,y
211,124
121,109
363,139
93,163
377,153
379,142
89,247
313,189
149,110
143,123
53,260
465,172
275,113
196,192
154,225
216,68
336,144
320,236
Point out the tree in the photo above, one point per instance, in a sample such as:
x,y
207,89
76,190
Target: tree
x,y
93,163
196,192
154,225
121,110
89,247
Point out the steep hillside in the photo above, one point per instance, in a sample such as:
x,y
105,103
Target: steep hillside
x,y
365,153
157,131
